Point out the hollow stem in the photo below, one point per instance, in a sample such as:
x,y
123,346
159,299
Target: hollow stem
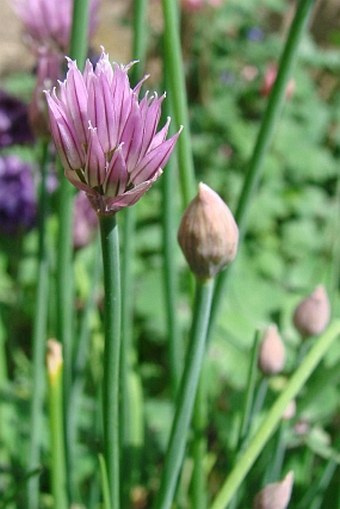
x,y
39,338
111,272
55,400
186,395
177,92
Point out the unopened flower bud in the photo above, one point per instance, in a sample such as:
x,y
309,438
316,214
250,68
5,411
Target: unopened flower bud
x,y
312,315
54,358
290,411
272,353
275,495
208,234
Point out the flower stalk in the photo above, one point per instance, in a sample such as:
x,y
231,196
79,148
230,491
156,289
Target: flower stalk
x,y
177,89
187,394
39,338
55,400
111,380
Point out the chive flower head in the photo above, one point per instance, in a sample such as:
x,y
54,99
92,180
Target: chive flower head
x,y
47,23
106,137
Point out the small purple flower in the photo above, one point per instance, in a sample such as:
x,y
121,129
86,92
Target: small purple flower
x,y
14,126
17,196
106,138
255,34
48,23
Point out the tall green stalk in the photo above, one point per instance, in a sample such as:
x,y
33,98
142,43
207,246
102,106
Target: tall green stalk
x,y
266,133
111,381
186,395
39,338
131,427
177,91
56,420
272,419
64,288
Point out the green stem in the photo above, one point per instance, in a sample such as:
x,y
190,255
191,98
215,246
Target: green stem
x,y
105,483
78,51
249,396
266,134
127,351
177,92
110,250
186,396
139,38
39,340
131,426
58,463
200,419
170,277
273,417
79,32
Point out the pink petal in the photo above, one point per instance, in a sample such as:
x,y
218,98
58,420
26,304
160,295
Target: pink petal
x,y
76,97
129,197
95,170
153,161
64,135
117,175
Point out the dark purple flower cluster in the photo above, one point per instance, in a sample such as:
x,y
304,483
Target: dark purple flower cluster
x,y
17,196
14,126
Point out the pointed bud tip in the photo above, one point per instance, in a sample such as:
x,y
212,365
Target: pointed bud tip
x,y
276,495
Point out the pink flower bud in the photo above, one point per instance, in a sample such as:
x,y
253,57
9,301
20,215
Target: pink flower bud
x,y
290,411
208,234
198,5
312,315
275,495
54,358
269,80
272,353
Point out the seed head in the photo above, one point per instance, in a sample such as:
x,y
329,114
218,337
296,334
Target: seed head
x,y
208,234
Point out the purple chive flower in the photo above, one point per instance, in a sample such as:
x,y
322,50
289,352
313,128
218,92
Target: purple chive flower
x,y
17,196
48,23
14,126
106,137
